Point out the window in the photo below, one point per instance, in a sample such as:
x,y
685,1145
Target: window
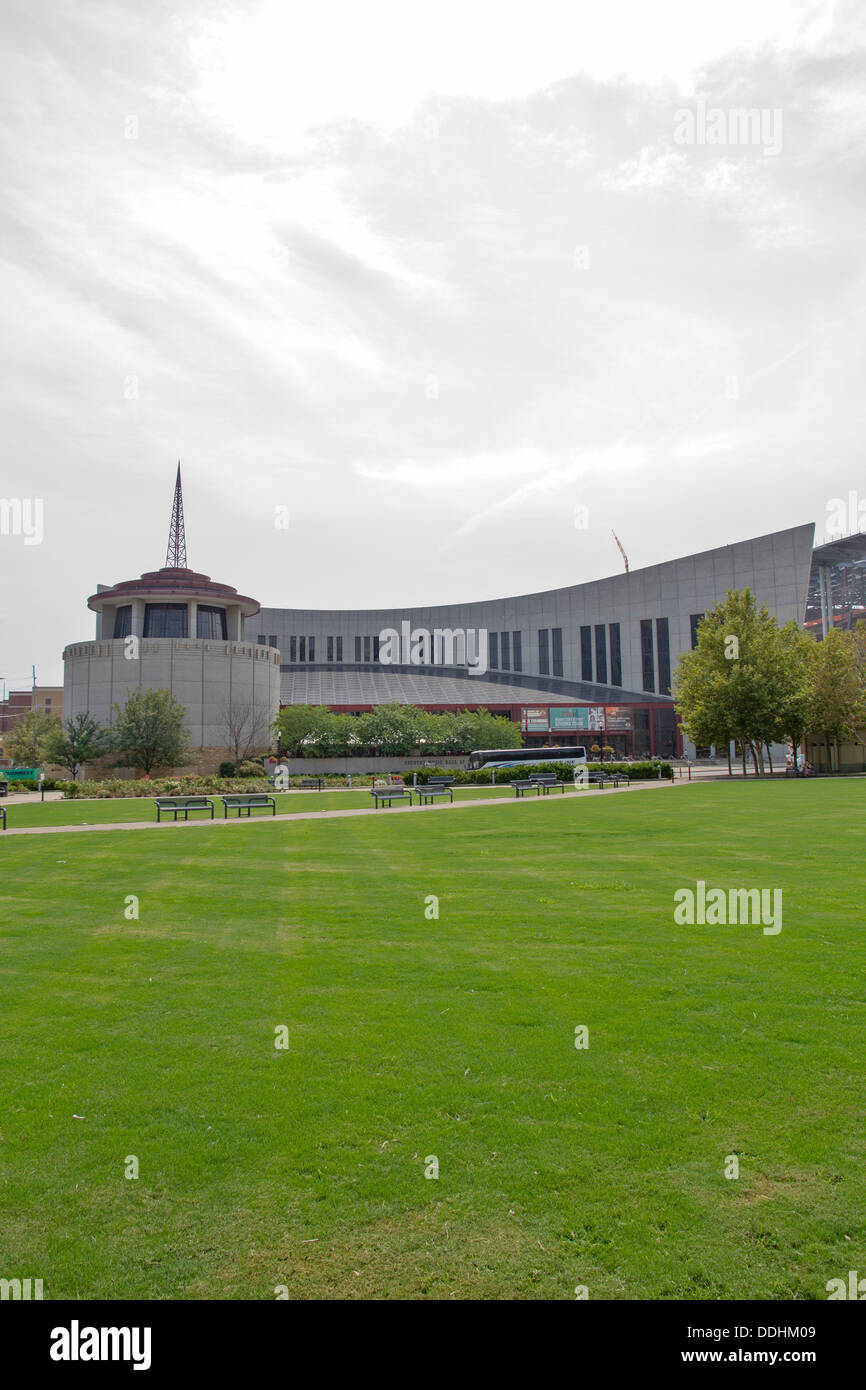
x,y
272,640
123,620
663,643
694,619
517,650
339,649
330,649
586,653
311,648
647,658
615,654
375,648
302,648
165,620
557,651
358,649
600,654
543,651
293,649
366,649
261,639
210,623
493,652
505,649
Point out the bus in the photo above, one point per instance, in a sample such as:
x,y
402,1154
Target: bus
x,y
575,754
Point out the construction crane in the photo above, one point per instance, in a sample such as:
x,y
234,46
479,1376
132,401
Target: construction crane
x,y
621,551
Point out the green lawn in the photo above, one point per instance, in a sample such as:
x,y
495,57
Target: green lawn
x,y
454,1037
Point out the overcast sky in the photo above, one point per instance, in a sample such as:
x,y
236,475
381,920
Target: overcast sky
x,y
448,282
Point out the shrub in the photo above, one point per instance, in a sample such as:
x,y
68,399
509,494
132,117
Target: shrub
x,y
227,770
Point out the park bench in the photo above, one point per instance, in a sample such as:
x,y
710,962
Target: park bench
x,y
440,782
3,815
546,780
174,805
524,785
433,789
313,783
390,793
4,788
247,801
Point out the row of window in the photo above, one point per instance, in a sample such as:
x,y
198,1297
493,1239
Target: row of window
x,y
505,651
172,620
660,653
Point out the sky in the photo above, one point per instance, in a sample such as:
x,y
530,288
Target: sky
x,y
456,291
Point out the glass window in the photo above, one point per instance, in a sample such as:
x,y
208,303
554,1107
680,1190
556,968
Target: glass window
x,y
544,651
615,654
694,619
663,643
210,623
505,648
357,649
647,656
272,640
366,649
302,648
293,649
557,651
493,650
600,654
339,649
517,650
165,620
123,620
330,649
375,647
586,653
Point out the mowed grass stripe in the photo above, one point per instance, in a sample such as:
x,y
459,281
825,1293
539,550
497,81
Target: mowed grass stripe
x,y
412,1037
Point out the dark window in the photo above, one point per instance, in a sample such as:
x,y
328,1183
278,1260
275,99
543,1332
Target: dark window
x,y
505,648
123,620
664,730
210,623
557,651
586,653
375,648
366,649
493,653
330,649
694,620
663,643
357,649
339,649
615,654
517,650
302,648
261,639
311,647
647,659
293,649
165,620
544,651
600,654
272,640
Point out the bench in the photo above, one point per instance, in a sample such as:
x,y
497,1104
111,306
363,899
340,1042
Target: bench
x,y
3,814
546,780
432,790
440,782
313,783
173,805
389,794
524,785
247,801
4,788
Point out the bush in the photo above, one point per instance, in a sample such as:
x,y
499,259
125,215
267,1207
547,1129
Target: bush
x,y
249,768
227,770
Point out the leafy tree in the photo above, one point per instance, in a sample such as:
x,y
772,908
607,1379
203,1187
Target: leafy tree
x,y
149,731
294,723
27,742
838,694
77,741
796,696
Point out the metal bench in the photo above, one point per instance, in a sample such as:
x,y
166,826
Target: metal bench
x,y
440,782
524,785
389,794
4,787
3,815
546,780
433,789
174,805
247,801
313,783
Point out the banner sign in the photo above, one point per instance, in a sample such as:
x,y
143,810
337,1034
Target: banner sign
x,y
618,718
567,718
534,721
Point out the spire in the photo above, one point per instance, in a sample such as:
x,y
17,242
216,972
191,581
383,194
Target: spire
x,y
176,554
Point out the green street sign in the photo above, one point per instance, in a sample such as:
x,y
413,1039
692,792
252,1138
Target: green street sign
x,y
20,774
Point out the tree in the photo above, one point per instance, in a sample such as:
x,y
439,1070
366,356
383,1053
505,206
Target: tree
x,y
796,696
26,743
244,728
77,741
294,723
838,697
149,731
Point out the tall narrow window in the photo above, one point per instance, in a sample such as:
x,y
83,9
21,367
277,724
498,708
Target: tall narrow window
x,y
647,656
694,620
358,649
505,650
557,651
211,623
339,649
123,620
493,650
302,648
293,650
600,654
615,654
366,649
330,649
586,653
311,648
376,648
544,651
517,650
663,643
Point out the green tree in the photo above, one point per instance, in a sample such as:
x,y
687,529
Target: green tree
x,y
26,743
838,710
77,741
149,731
294,723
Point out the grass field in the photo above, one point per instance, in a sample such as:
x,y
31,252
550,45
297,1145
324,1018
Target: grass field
x,y
411,1037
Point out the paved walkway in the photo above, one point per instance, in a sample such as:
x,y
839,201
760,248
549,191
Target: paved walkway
x,y
591,794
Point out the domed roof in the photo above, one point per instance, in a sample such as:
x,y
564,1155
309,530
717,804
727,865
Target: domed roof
x,y
172,585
